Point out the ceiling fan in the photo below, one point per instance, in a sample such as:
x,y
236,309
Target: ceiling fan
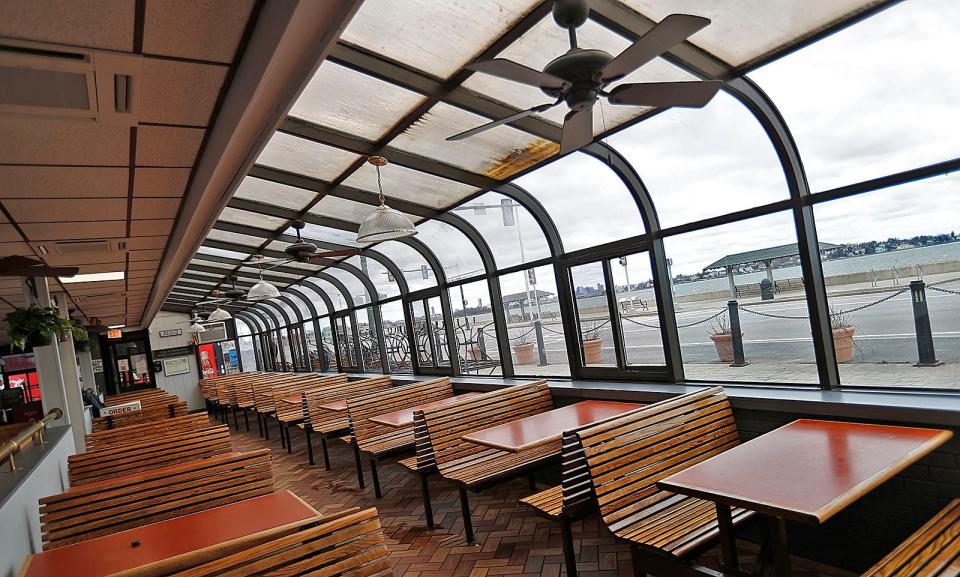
x,y
27,267
581,75
304,251
227,296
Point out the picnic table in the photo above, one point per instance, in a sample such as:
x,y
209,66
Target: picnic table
x,y
404,417
166,541
806,471
543,428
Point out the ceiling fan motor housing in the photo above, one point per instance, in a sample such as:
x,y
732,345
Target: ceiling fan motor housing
x,y
294,250
571,13
581,68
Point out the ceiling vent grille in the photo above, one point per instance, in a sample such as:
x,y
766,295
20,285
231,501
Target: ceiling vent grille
x,y
37,80
75,247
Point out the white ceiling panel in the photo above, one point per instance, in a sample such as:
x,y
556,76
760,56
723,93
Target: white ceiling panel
x,y
200,29
146,208
74,230
160,181
63,182
106,24
72,209
168,146
35,140
176,92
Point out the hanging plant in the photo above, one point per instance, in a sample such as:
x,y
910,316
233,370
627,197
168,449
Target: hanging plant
x,y
36,326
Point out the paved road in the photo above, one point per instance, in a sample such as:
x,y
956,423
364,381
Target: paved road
x,y
885,332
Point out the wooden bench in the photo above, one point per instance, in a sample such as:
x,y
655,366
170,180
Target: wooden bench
x,y
267,397
131,396
626,456
334,424
288,414
472,466
149,454
229,394
376,441
166,411
344,545
137,433
129,501
932,551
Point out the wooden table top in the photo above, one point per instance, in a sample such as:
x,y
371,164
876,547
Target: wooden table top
x,y
404,417
160,541
336,406
808,470
293,400
548,426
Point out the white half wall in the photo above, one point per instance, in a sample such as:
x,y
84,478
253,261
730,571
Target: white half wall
x,y
185,386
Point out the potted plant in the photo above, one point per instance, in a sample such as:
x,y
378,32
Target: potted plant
x,y
722,337
523,349
36,326
591,343
843,331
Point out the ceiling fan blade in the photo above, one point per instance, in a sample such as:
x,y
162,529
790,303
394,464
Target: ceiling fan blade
x,y
577,130
495,123
335,253
671,31
65,271
690,94
510,70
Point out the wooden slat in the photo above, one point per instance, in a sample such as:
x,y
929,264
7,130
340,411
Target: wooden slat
x,y
138,432
376,439
932,551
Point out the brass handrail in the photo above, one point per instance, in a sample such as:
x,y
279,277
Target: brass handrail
x,y
34,432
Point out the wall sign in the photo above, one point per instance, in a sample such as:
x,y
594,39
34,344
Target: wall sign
x,y
171,332
177,366
173,352
114,410
97,365
114,333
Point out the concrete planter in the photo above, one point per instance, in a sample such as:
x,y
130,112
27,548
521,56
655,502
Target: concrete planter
x,y
591,351
477,355
524,353
843,344
724,344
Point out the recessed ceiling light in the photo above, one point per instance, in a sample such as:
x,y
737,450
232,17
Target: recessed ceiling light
x,y
92,277
115,326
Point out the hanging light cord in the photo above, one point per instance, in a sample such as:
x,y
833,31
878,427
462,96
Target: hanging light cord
x,y
380,186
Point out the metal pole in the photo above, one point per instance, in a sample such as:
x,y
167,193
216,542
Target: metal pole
x,y
737,334
921,320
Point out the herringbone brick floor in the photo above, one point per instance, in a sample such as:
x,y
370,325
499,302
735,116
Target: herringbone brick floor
x,y
511,540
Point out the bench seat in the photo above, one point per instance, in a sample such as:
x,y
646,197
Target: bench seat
x,y
932,551
548,503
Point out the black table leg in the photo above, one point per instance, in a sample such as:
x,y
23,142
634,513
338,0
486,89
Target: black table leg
x,y
777,532
728,545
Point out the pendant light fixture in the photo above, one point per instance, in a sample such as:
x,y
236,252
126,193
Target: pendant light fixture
x,y
262,291
219,314
196,327
384,223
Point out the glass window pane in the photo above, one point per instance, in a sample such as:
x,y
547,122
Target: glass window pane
x,y
291,314
395,338
314,299
287,357
457,255
411,263
544,42
358,292
411,185
441,352
222,252
313,356
315,232
593,316
884,237
496,217
235,238
247,356
254,219
301,305
699,163
422,334
742,31
474,330
326,345
369,343
348,210
871,125
273,193
522,307
565,185
332,293
399,30
383,282
305,157
199,260
353,102
498,153
633,284
347,346
776,332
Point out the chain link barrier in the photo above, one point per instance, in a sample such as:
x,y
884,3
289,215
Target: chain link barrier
x,y
944,290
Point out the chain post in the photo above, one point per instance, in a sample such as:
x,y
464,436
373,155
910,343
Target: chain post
x,y
541,347
921,320
737,334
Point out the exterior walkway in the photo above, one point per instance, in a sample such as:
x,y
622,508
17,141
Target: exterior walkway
x,y
511,539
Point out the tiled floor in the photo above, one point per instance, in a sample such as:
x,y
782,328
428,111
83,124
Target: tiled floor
x,y
511,539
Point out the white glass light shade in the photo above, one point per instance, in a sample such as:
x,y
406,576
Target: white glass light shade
x,y
262,291
196,327
219,315
385,223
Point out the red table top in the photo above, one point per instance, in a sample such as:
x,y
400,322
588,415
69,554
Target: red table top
x,y
808,470
404,417
336,406
113,553
548,426
294,400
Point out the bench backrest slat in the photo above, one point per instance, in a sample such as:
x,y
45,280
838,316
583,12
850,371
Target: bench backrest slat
x,y
438,430
318,418
389,400
626,456
138,432
268,397
145,415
